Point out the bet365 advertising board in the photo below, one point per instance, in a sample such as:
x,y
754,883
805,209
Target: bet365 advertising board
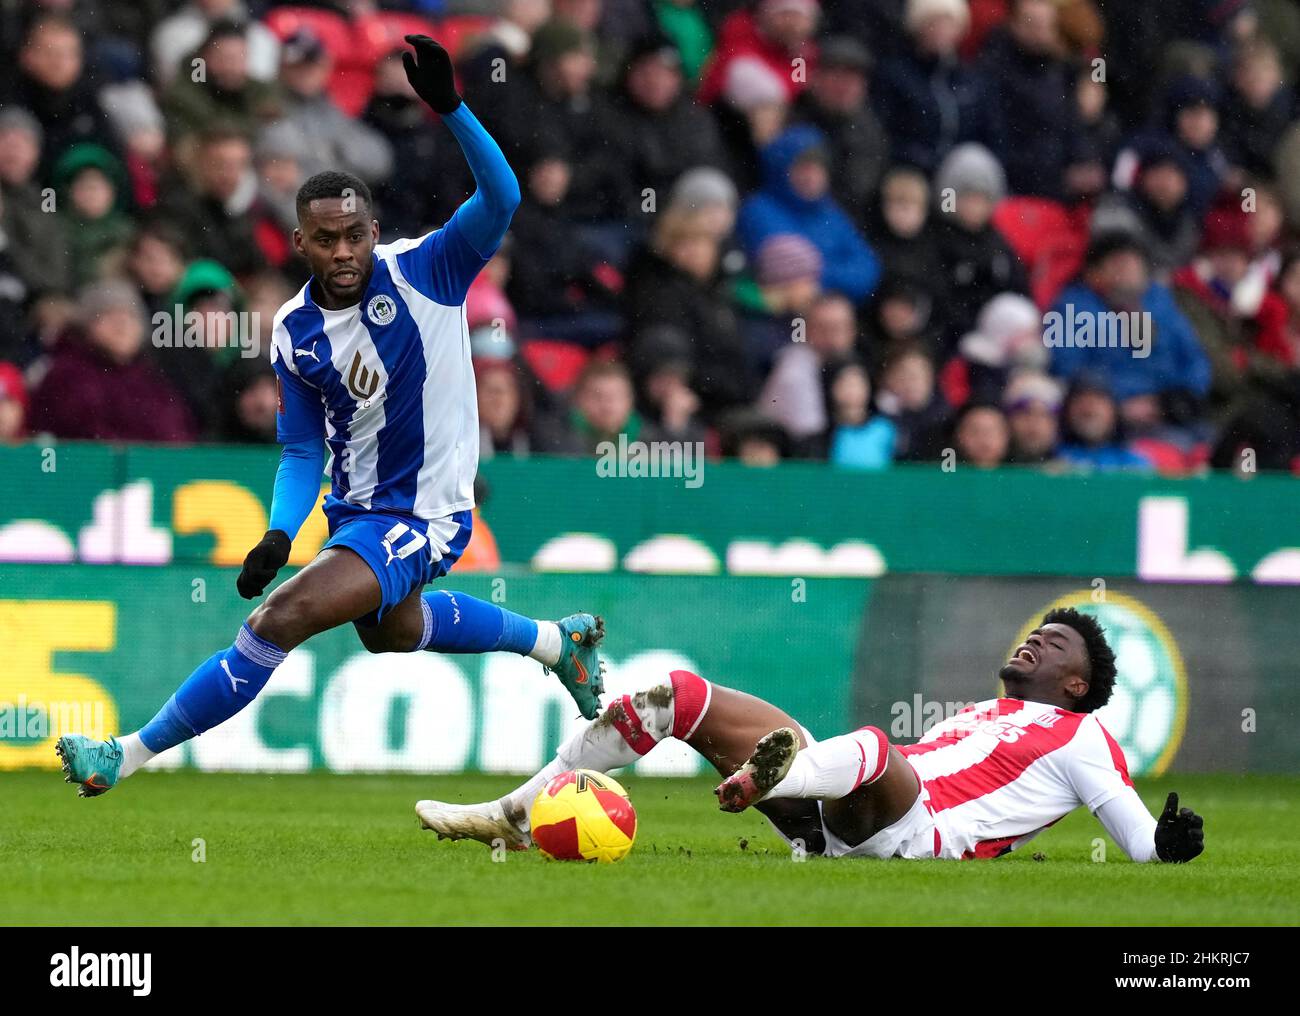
x,y
845,598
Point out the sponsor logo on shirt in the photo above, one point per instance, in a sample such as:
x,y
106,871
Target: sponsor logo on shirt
x,y
362,380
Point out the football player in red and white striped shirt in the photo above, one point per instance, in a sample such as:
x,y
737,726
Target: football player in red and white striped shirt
x,y
977,785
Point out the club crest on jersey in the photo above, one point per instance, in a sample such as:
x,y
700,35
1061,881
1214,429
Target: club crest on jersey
x,y
381,309
362,380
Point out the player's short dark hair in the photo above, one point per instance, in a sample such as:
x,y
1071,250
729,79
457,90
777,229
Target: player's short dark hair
x,y
1101,658
332,183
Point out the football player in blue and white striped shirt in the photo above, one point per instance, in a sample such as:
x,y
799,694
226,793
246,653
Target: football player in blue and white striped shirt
x,y
373,363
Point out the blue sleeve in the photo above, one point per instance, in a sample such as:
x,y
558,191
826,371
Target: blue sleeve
x,y
448,260
300,427
297,484
851,267
755,223
300,413
483,220
1066,361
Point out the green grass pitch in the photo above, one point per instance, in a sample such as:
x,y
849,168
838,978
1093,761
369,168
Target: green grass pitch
x,y
324,849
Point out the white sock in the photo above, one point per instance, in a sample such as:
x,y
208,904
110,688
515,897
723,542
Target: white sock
x,y
546,650
836,767
134,754
519,802
628,728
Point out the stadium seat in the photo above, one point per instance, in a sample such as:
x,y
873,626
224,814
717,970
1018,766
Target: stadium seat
x,y
353,78
985,15
373,36
1048,237
557,364
383,31
1172,459
332,29
455,32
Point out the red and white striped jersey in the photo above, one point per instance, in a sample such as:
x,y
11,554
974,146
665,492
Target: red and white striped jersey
x,y
999,772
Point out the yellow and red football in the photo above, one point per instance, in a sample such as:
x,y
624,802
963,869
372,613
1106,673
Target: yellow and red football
x,y
583,815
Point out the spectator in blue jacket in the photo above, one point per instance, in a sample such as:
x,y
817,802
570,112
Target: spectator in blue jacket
x,y
795,198
1092,433
857,437
1160,374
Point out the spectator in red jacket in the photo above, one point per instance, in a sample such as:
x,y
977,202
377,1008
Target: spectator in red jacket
x,y
771,37
100,385
1239,318
13,404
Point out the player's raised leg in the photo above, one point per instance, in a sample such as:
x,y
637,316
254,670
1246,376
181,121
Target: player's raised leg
x,y
864,783
447,621
335,588
721,724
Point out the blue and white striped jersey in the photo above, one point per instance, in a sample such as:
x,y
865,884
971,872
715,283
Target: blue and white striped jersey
x,y
389,380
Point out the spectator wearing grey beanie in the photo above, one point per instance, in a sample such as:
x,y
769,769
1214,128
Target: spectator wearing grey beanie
x,y
978,263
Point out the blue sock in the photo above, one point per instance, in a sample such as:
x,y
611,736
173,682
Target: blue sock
x,y
458,623
220,687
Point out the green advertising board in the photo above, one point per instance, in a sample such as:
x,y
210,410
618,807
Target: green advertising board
x,y
99,649
1209,679
209,505
845,598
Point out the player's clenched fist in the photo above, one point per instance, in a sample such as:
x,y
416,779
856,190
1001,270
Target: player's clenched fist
x,y
1180,835
262,562
430,74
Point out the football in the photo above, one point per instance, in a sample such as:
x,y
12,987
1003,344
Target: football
x,y
583,815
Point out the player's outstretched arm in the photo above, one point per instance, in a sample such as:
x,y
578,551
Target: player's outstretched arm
x,y
485,217
297,485
1175,837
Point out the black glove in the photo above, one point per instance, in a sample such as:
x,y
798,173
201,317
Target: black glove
x,y
262,562
430,74
1180,835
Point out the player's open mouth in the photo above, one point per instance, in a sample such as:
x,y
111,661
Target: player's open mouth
x,y
345,278
1026,654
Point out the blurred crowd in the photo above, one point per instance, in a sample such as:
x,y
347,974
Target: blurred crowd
x,y
856,231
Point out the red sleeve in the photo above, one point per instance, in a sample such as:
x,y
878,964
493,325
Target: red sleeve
x,y
1270,334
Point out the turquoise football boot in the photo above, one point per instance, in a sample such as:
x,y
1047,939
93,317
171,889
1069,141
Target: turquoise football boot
x,y
580,669
93,764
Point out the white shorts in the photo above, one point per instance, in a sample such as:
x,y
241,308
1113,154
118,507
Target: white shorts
x,y
912,837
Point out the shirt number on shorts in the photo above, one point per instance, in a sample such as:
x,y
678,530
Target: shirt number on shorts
x,y
416,541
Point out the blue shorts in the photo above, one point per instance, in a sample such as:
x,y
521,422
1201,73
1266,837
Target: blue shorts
x,y
404,552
